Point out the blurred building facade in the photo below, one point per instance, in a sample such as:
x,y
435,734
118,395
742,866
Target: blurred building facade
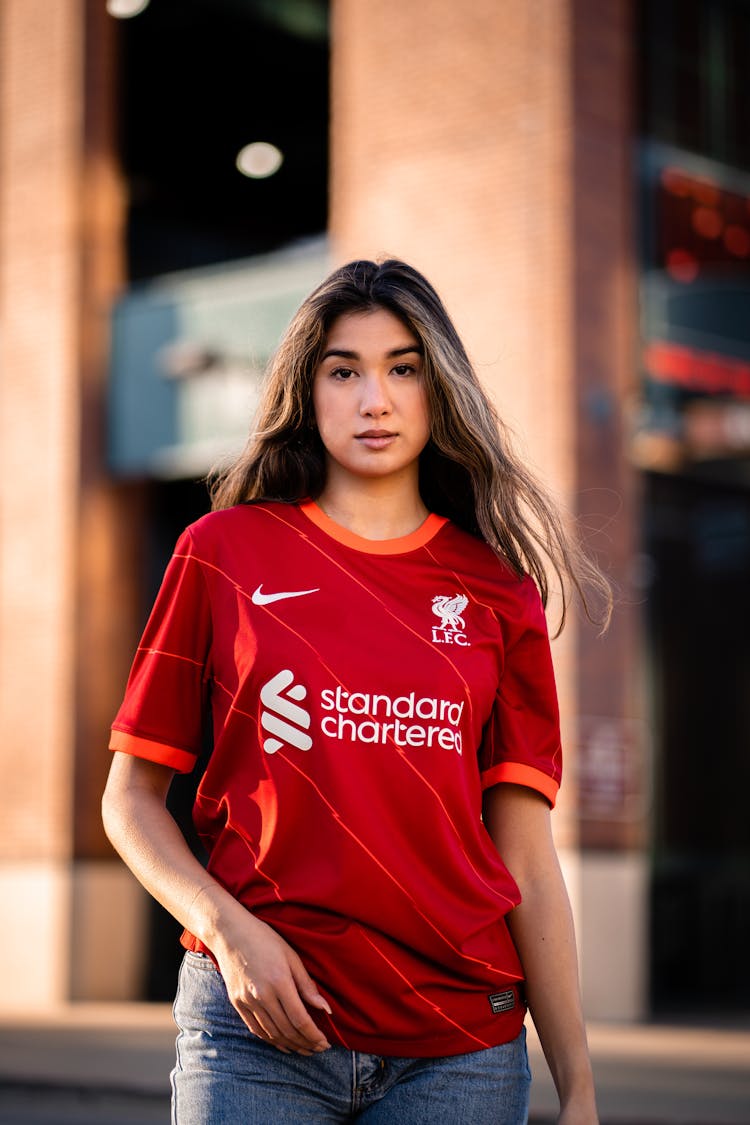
x,y
574,178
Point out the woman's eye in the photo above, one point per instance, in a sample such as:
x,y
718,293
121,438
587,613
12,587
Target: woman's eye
x,y
343,373
403,369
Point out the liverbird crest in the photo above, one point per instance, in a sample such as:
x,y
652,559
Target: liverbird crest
x,y
449,608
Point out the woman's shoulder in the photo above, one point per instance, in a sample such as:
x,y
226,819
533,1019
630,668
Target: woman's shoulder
x,y
490,576
224,524
474,554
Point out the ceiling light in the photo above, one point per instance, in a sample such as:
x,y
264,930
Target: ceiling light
x,y
259,160
126,9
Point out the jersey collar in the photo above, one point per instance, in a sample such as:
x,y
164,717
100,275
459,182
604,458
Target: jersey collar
x,y
400,546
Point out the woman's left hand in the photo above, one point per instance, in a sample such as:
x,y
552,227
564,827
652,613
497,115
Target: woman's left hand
x,y
579,1114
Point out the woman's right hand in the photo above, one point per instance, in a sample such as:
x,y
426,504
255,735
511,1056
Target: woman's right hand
x,y
268,985
265,979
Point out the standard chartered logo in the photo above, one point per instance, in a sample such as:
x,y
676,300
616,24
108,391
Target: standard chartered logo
x,y
281,717
411,721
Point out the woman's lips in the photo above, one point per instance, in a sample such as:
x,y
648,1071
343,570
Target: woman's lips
x,y
376,439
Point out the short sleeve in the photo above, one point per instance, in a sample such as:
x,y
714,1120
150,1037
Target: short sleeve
x,y
521,740
162,714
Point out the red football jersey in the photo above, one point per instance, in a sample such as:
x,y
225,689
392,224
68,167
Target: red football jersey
x,y
362,694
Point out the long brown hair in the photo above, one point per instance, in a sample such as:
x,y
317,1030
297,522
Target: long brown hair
x,y
468,470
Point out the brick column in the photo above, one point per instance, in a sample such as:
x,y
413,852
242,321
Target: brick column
x,y
487,144
40,120
451,146
613,740
60,555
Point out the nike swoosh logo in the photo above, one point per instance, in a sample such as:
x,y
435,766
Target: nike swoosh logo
x,y
259,598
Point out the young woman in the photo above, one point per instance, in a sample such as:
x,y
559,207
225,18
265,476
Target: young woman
x,y
361,617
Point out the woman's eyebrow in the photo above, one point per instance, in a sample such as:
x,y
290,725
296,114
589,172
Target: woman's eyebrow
x,y
343,353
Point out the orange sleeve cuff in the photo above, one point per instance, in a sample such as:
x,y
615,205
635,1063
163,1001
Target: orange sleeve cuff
x,y
518,774
180,760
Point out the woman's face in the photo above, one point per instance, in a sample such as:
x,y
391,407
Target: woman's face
x,y
369,398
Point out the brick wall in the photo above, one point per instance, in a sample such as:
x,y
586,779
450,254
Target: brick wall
x,y
490,144
67,586
40,108
452,130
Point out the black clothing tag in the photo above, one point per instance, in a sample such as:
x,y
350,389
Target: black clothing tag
x,y
502,1001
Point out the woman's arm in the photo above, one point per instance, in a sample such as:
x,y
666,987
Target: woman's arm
x,y
518,821
265,979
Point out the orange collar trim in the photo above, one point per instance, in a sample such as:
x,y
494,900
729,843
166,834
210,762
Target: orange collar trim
x,y
417,538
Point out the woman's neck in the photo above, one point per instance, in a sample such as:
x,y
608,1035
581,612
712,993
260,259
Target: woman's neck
x,y
374,509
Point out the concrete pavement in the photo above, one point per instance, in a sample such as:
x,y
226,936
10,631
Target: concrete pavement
x,y
95,1064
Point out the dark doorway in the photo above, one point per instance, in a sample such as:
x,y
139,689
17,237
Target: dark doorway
x,y
199,80
698,538
172,506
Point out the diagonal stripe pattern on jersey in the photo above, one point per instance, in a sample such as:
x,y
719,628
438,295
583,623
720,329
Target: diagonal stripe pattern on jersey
x,y
353,730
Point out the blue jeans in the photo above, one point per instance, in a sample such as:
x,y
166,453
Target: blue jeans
x,y
225,1075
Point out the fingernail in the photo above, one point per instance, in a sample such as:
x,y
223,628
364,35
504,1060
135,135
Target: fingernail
x,y
321,1002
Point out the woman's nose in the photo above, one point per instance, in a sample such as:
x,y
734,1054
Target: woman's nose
x,y
375,398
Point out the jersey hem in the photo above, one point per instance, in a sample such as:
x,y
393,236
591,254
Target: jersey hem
x,y
497,1029
163,755
504,1030
519,774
